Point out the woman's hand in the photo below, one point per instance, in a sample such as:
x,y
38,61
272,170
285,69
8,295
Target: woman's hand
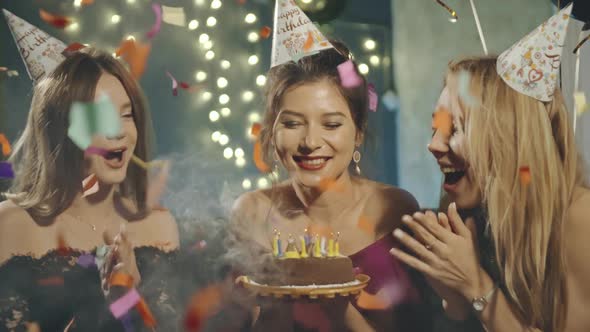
x,y
120,258
447,255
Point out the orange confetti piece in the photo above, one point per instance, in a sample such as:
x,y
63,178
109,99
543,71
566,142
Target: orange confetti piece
x,y
203,304
525,175
62,248
51,281
309,42
135,54
255,130
366,225
443,120
6,149
72,48
145,313
258,158
265,32
57,21
371,302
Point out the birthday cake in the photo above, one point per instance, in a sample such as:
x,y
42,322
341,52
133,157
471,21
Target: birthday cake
x,y
314,262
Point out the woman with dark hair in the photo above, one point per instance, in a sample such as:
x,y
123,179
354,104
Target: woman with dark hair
x,y
313,127
47,224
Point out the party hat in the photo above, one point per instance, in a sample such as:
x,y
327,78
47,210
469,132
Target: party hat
x,y
294,35
40,51
531,66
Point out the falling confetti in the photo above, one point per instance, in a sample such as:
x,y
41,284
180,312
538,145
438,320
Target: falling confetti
x,y
255,130
259,159
580,102
158,24
95,118
463,81
373,98
72,48
174,15
86,260
6,170
174,84
265,32
442,120
135,54
6,149
348,75
203,304
57,21
122,305
145,313
89,185
371,302
525,175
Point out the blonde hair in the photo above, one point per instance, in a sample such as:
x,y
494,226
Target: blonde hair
x,y
49,168
504,131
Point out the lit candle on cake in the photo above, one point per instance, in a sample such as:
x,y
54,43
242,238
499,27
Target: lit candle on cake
x,y
291,250
303,247
317,251
279,247
306,237
323,246
337,245
331,246
275,244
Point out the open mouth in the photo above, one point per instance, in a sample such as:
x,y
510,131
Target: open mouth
x,y
115,154
311,163
453,175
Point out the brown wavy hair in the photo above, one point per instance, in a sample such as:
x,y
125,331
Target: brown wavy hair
x,y
49,167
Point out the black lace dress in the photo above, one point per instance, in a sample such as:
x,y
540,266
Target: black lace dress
x,y
58,290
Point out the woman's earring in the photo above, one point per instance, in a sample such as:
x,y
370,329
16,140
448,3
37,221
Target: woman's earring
x,y
356,157
275,168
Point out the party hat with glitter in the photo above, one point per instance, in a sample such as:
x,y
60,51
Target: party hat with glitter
x,y
531,66
40,51
294,35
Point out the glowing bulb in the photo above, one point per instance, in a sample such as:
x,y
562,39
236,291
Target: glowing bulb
x,y
223,99
246,184
363,68
192,25
130,1
247,96
228,153
115,19
206,95
306,1
253,59
374,60
77,3
208,45
262,183
130,37
225,112
73,27
200,2
203,38
223,139
240,162
370,44
215,4
250,18
260,80
239,153
213,116
253,37
225,64
215,136
209,55
254,117
211,21
201,76
221,82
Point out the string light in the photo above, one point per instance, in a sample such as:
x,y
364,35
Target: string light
x,y
363,68
115,19
209,55
206,95
254,117
130,37
260,80
253,59
250,18
208,45
253,36
213,116
215,4
215,136
240,162
203,38
262,183
246,184
374,60
130,2
225,112
77,3
223,139
247,96
193,24
73,27
200,76
222,82
200,3
239,153
223,99
211,21
370,44
228,153
225,64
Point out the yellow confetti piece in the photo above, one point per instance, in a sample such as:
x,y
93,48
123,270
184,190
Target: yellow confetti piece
x,y
580,102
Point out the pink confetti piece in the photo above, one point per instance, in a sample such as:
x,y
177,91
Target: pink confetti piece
x,y
120,307
348,75
174,84
94,150
86,260
89,185
373,98
6,170
158,24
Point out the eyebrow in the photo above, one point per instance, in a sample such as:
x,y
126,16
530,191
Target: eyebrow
x,y
126,105
293,113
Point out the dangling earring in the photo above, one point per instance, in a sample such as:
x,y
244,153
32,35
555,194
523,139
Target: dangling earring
x,y
356,157
275,168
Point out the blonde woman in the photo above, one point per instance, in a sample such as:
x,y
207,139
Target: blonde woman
x,y
511,167
47,211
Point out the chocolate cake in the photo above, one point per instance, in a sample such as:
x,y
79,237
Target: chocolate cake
x,y
309,271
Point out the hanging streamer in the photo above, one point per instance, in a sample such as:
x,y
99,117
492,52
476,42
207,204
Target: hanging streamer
x,y
479,30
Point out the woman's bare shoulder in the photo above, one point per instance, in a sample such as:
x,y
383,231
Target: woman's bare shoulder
x,y
577,228
16,226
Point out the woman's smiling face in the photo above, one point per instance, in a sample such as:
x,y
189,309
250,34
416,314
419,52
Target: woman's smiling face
x,y
314,134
